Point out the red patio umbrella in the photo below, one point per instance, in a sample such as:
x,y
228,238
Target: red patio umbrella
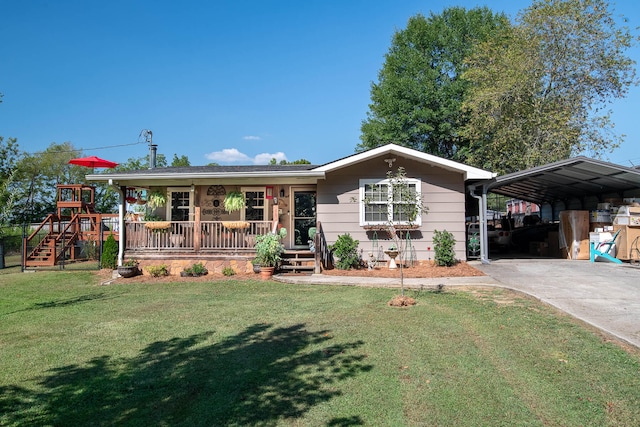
x,y
93,162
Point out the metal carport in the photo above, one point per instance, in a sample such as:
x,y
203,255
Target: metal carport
x,y
575,183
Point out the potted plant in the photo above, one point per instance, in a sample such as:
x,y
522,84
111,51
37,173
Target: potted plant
x,y
234,201
269,252
129,268
256,266
196,270
156,199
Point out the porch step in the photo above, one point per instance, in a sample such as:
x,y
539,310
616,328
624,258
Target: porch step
x,y
298,262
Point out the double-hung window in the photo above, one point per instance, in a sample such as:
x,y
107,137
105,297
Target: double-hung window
x,y
387,202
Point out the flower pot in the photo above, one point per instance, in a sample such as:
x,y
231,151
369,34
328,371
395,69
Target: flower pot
x,y
266,272
128,270
256,268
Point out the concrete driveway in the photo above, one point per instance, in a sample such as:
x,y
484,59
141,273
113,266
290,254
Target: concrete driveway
x,y
605,295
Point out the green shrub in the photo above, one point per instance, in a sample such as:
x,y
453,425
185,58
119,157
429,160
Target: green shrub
x,y
198,269
228,271
443,243
346,250
109,258
158,270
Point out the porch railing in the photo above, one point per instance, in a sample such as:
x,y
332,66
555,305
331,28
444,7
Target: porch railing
x,y
323,254
193,236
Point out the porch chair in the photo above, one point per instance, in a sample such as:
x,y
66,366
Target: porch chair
x,y
603,249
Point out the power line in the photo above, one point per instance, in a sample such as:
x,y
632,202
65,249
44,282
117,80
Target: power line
x,y
89,149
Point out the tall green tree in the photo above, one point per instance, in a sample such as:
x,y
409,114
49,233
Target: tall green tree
x,y
139,163
273,161
9,156
418,97
540,91
180,161
38,175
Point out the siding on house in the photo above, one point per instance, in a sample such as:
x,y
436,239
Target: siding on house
x,y
338,204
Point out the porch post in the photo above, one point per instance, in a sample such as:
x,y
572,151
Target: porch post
x,y
121,234
196,229
275,216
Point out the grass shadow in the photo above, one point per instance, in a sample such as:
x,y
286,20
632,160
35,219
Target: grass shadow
x,y
67,302
63,302
258,377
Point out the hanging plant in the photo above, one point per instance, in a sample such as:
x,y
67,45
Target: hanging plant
x,y
156,198
234,201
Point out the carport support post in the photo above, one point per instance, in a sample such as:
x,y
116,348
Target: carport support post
x,y
482,213
484,246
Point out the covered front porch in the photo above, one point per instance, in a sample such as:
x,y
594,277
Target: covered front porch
x,y
182,212
193,226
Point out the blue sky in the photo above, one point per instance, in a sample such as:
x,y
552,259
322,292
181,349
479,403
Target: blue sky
x,y
232,82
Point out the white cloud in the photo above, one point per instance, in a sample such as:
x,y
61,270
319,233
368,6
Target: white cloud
x,y
233,155
251,138
265,158
228,155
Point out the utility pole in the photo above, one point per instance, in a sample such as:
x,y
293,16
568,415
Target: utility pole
x,y
153,148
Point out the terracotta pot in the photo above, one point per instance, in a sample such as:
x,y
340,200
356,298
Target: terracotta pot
x,y
266,272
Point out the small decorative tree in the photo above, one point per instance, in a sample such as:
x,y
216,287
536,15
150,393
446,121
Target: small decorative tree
x,y
406,204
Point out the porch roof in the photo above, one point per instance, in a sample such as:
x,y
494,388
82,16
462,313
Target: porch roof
x,y
187,175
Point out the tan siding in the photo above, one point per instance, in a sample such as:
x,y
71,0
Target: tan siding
x,y
443,192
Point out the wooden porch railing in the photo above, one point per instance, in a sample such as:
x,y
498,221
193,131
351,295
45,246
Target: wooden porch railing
x,y
324,257
190,236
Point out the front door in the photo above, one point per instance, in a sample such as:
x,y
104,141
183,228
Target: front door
x,y
304,216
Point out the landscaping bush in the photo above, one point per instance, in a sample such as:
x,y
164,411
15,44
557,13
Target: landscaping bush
x,y
158,270
228,271
199,269
109,258
444,243
346,250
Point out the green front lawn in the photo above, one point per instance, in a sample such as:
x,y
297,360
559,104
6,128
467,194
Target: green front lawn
x,y
247,353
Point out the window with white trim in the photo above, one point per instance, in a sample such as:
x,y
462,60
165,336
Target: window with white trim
x,y
382,204
255,204
180,204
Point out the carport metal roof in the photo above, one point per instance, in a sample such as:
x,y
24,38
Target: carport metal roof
x,y
576,177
